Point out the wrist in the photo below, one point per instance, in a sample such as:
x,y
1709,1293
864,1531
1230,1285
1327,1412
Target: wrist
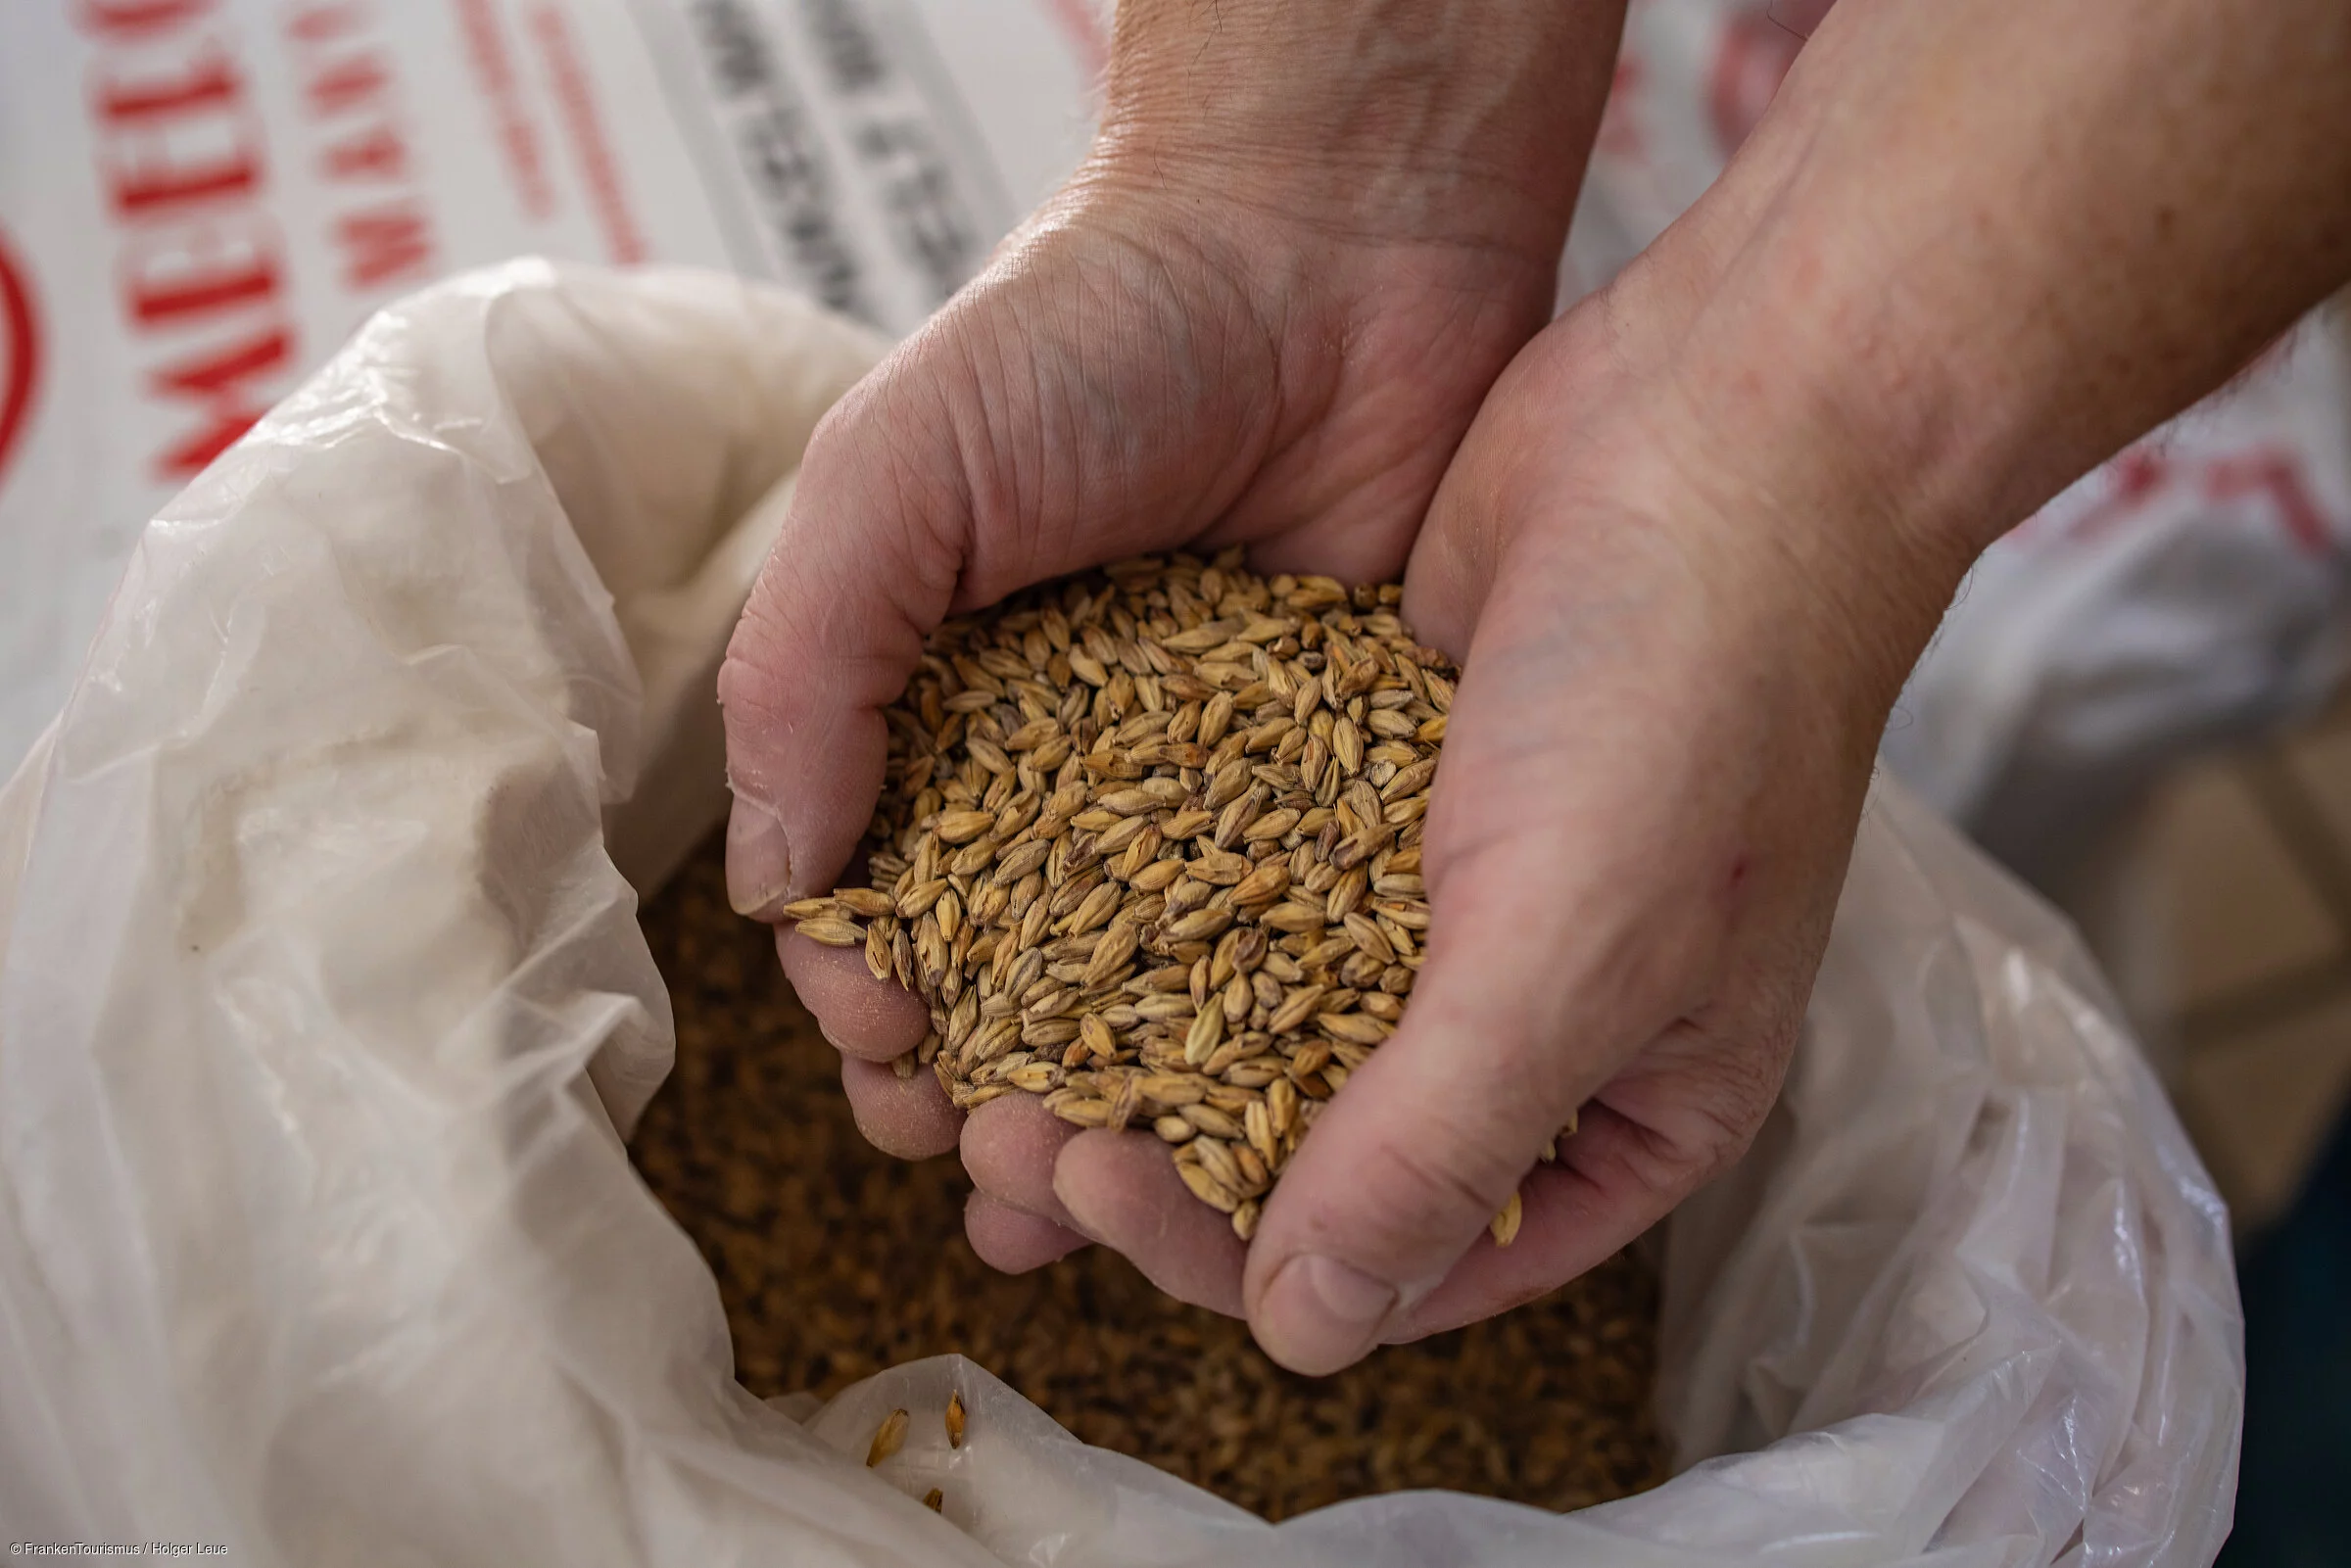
x,y
1411,120
1793,451
1877,441
1990,244
1794,372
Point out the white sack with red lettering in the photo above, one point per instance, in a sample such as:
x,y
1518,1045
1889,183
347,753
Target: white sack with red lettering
x,y
323,1007
201,199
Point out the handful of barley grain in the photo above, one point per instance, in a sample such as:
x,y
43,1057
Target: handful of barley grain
x,y
1149,846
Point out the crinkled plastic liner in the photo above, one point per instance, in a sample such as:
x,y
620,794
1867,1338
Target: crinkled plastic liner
x,y
323,998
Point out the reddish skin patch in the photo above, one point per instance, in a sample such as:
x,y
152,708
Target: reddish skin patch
x,y
1734,883
20,353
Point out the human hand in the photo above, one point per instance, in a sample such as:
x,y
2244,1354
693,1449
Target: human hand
x,y
1695,538
1691,548
1207,339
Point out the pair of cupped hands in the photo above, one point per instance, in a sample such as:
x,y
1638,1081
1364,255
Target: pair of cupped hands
x,y
1685,541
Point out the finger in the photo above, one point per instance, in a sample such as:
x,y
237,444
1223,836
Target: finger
x,y
909,1119
1575,1214
861,1017
1560,942
1491,1278
833,625
1011,1240
1122,1189
1406,1169
1009,1147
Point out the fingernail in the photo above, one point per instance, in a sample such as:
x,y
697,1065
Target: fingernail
x,y
1319,1314
758,860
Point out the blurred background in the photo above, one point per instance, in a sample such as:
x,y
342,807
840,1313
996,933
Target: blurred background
x,y
2246,860
2133,705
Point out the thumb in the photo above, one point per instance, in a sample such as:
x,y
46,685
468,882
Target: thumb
x,y
1546,970
835,625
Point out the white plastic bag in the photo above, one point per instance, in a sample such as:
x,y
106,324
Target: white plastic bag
x,y
322,1000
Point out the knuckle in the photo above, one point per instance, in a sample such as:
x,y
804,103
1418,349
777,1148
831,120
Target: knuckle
x,y
753,652
1412,1195
1451,1185
1716,1100
756,695
1735,1099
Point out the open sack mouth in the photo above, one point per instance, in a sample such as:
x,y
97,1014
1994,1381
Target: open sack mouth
x,y
836,1262
325,1012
